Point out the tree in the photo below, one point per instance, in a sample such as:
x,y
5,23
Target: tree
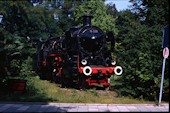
x,y
98,10
11,44
111,9
152,12
139,50
15,47
24,22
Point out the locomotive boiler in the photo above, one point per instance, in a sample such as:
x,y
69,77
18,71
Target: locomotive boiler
x,y
83,58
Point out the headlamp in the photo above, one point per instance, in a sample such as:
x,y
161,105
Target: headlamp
x,y
84,62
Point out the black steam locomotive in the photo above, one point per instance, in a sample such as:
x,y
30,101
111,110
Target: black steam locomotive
x,y
79,58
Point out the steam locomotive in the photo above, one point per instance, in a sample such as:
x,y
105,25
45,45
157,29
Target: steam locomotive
x,y
80,57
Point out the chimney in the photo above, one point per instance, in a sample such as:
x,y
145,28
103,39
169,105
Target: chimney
x,y
87,20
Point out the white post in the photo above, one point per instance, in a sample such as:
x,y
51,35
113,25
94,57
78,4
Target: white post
x,y
161,85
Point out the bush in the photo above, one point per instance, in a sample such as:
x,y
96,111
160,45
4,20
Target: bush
x,y
26,67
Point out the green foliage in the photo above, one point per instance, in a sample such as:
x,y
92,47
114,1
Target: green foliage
x,y
15,67
139,52
20,20
111,9
98,10
26,68
152,12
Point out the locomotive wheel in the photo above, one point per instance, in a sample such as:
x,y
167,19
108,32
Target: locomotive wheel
x,y
107,88
55,77
64,82
43,74
42,77
82,82
65,78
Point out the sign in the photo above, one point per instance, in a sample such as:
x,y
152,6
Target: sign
x,y
165,40
1,17
166,52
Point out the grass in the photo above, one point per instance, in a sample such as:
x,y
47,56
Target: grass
x,y
44,91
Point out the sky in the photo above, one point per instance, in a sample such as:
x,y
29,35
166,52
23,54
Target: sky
x,y
120,4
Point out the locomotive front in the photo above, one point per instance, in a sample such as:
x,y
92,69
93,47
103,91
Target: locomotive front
x,y
95,61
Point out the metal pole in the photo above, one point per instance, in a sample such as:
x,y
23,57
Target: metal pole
x,y
161,85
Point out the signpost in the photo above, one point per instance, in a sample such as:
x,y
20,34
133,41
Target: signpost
x,y
165,45
165,55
